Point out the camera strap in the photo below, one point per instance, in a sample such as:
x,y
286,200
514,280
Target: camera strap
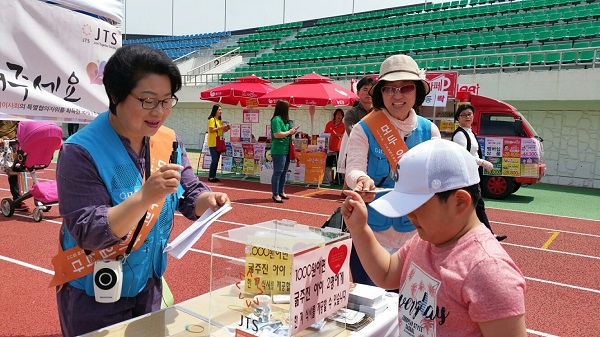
x,y
147,174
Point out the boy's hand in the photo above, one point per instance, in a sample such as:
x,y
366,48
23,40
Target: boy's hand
x,y
354,210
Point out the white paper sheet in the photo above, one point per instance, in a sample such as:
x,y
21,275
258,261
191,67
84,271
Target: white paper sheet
x,y
181,244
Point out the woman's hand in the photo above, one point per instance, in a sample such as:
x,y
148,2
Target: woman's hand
x,y
161,183
212,200
487,165
363,185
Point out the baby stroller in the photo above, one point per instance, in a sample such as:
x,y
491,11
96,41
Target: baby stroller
x,y
33,150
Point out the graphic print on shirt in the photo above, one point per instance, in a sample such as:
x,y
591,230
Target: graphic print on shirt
x,y
417,305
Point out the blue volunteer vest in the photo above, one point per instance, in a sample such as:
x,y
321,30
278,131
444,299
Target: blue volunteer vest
x,y
122,178
378,169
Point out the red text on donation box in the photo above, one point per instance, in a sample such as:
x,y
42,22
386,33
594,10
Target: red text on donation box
x,y
320,284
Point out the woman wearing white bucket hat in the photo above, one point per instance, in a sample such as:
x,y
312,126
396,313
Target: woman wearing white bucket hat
x,y
378,141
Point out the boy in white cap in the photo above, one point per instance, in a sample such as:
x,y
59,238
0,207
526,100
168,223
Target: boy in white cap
x,y
455,279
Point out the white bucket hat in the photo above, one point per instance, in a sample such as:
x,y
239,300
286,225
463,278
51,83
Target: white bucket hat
x,y
401,68
434,166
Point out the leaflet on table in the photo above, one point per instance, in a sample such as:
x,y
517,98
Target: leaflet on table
x,y
178,247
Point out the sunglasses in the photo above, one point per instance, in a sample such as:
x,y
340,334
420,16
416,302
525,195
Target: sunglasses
x,y
391,91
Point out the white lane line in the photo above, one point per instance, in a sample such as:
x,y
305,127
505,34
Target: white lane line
x,y
536,213
545,229
552,251
563,285
28,265
538,333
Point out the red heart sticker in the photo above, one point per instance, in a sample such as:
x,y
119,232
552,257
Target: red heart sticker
x,y
336,258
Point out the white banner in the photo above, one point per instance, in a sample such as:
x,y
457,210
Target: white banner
x,y
52,61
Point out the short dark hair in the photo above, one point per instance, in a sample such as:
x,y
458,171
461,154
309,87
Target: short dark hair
x,y
473,190
131,63
367,80
340,111
378,96
462,108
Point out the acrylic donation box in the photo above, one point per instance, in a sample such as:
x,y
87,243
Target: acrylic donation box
x,y
278,278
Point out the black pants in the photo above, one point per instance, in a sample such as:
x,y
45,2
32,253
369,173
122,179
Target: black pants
x,y
72,128
480,210
13,182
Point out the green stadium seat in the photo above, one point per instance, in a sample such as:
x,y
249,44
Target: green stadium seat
x,y
591,32
585,56
552,58
569,57
581,44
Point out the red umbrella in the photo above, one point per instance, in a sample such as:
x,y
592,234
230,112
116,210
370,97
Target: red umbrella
x,y
238,92
312,89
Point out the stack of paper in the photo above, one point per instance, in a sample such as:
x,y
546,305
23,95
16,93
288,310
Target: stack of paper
x,y
367,299
178,247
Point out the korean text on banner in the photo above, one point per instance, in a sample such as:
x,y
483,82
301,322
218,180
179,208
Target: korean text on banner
x,y
52,61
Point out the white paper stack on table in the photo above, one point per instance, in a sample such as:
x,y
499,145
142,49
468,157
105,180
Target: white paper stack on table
x,y
368,299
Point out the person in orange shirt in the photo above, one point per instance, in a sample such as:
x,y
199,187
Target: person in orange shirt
x,y
336,129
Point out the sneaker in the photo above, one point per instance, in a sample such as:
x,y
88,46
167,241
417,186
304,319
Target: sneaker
x,y
500,237
21,207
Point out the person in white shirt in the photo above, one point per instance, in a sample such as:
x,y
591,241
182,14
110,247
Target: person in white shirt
x,y
465,137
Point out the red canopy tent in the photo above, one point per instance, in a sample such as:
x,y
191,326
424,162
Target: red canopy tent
x,y
248,87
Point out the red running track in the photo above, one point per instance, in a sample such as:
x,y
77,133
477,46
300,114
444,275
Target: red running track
x,y
563,279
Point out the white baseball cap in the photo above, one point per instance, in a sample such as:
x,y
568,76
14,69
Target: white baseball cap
x,y
434,166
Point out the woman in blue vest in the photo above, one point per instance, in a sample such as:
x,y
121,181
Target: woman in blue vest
x,y
106,188
400,89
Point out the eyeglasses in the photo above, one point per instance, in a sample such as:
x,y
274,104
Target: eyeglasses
x,y
466,115
151,103
391,91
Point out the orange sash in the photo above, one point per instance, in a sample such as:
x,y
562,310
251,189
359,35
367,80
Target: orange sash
x,y
74,263
386,135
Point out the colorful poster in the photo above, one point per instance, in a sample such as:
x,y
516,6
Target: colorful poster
x,y
296,172
447,125
229,149
257,165
511,167
529,148
237,164
314,166
529,167
320,284
512,148
497,170
246,133
248,150
234,133
248,167
250,115
237,150
226,162
493,147
259,150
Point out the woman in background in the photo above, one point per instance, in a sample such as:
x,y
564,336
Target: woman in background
x,y
215,129
336,129
281,134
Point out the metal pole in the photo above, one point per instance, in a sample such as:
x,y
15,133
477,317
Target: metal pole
x,y
352,7
172,16
283,11
124,20
225,20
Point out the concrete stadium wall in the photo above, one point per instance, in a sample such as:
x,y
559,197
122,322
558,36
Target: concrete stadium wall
x,y
562,106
